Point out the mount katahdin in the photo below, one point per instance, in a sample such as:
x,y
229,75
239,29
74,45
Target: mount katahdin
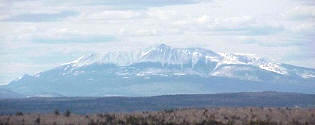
x,y
162,70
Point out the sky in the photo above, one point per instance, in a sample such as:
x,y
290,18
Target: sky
x,y
37,35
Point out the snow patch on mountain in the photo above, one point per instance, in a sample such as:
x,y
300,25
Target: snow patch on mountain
x,y
250,59
242,73
308,75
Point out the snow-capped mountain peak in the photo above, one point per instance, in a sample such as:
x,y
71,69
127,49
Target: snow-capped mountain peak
x,y
165,70
167,55
250,59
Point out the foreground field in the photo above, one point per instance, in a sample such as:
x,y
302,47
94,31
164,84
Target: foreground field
x,y
205,116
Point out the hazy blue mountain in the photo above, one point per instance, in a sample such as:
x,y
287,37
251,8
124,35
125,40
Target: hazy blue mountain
x,y
7,94
162,70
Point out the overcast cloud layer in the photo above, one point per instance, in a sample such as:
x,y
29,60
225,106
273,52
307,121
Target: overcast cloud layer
x,y
37,35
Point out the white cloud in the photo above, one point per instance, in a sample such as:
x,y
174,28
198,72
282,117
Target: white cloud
x,y
109,15
247,26
303,12
303,28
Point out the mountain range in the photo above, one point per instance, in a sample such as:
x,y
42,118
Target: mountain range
x,y
164,70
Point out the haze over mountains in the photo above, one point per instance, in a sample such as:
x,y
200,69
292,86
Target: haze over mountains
x,y
163,70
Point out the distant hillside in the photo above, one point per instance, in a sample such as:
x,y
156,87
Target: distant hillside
x,y
6,94
129,104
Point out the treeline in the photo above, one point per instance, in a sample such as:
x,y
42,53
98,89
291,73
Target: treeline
x,y
84,105
205,116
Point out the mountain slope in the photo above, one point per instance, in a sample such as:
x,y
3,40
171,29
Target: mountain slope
x,y
161,70
6,94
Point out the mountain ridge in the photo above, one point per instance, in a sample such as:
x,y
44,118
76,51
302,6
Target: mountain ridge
x,y
161,70
169,55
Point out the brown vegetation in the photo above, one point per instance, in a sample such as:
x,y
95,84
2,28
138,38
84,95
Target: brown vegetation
x,y
209,116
